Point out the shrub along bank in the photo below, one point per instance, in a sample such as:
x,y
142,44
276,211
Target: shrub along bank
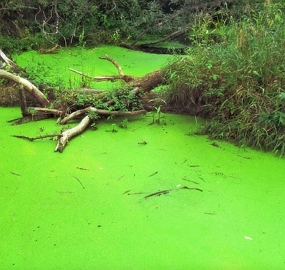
x,y
239,82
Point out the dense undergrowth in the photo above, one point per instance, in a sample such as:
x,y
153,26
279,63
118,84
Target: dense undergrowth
x,y
239,81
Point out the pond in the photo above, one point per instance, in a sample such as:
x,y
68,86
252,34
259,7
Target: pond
x,y
145,197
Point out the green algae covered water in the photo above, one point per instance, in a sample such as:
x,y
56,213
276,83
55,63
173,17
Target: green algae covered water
x,y
145,197
86,208
54,68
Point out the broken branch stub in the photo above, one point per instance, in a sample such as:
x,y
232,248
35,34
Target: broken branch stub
x,y
70,133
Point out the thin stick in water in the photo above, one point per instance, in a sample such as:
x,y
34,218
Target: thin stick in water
x,y
79,181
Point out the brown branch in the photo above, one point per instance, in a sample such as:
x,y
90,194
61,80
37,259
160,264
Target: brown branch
x,y
32,89
158,193
125,78
46,111
159,24
23,102
115,63
169,37
38,137
100,112
8,61
47,51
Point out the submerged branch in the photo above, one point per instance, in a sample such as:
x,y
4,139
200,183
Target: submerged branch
x,y
38,137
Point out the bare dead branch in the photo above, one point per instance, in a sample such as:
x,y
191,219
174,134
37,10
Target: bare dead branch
x,y
125,78
70,133
8,61
169,37
115,63
100,112
46,111
85,122
38,137
51,50
31,88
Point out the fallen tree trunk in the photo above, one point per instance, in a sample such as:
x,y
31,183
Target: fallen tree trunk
x,y
68,134
32,89
135,88
85,122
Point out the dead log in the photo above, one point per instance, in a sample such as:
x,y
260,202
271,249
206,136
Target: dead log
x,y
70,133
142,84
28,86
23,102
32,89
8,61
54,112
136,85
66,135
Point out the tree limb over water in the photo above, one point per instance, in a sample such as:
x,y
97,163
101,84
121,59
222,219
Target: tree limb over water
x,y
136,88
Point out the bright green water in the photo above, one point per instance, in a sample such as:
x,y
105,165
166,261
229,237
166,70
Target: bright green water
x,y
54,68
50,221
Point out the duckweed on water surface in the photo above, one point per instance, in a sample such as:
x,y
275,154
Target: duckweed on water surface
x,y
90,207
54,68
86,209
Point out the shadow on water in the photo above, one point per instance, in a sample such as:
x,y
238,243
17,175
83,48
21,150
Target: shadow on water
x,y
89,207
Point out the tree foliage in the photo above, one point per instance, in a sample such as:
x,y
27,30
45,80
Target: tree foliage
x,y
95,21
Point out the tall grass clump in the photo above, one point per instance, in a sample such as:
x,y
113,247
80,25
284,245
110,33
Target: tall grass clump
x,y
235,74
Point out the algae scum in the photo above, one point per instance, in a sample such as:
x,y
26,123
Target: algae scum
x,y
90,207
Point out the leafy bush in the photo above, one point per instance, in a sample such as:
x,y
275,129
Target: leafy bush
x,y
240,81
17,45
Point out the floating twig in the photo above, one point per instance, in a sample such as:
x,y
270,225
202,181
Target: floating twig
x,y
83,169
166,191
79,181
153,174
135,193
158,193
15,174
120,177
183,161
185,187
190,181
244,157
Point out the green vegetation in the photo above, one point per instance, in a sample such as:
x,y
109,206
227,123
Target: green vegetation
x,y
233,73
40,24
238,82
157,116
